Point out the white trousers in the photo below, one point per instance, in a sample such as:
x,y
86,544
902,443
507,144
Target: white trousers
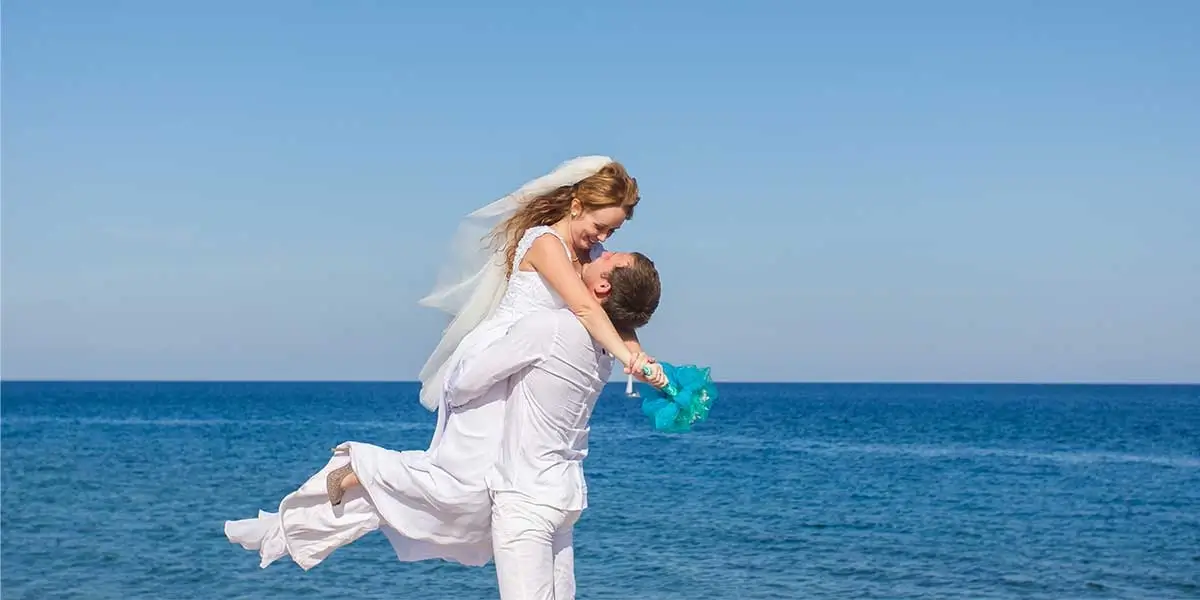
x,y
532,549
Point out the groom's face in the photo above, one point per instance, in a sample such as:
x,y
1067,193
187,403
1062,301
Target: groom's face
x,y
595,273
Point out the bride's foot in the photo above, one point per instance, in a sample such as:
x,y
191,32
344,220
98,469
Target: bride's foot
x,y
338,481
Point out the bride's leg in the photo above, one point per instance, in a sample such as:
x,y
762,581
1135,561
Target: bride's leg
x,y
307,527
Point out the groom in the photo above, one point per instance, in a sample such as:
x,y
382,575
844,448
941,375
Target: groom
x,y
554,371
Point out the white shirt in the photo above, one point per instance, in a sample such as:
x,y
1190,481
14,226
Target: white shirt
x,y
554,372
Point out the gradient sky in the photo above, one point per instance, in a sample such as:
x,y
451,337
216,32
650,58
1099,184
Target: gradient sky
x,y
852,191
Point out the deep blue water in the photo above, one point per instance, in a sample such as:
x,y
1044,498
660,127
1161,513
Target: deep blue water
x,y
119,490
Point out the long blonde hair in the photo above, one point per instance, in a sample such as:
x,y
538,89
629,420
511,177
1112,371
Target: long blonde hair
x,y
610,186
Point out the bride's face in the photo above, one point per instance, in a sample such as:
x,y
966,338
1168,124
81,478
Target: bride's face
x,y
594,226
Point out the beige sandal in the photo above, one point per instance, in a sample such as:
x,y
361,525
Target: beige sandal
x,y
333,483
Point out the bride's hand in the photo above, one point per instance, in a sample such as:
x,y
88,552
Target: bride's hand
x,y
656,377
637,360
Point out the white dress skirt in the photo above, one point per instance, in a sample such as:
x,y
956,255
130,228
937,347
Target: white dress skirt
x,y
431,504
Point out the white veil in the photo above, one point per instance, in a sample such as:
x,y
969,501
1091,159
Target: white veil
x,y
471,281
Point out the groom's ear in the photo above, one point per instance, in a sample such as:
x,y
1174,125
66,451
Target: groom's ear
x,y
602,289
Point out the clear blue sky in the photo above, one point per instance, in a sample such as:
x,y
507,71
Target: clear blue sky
x,y
936,191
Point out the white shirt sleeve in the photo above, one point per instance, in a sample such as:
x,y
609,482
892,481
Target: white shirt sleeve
x,y
527,343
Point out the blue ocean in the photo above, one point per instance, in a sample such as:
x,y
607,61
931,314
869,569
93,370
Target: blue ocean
x,y
120,490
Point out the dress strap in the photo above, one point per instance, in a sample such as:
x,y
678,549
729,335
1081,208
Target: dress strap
x,y
532,234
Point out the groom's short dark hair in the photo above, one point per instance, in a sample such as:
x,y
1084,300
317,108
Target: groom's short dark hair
x,y
634,295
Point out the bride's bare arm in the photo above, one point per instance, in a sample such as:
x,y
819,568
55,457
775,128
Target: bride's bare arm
x,y
632,342
546,256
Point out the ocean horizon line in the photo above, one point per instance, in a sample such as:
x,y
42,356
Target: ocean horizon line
x,y
621,382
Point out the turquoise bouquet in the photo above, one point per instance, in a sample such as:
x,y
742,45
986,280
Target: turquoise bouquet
x,y
685,400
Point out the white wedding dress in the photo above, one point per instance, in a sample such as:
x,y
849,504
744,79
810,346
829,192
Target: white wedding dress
x,y
432,503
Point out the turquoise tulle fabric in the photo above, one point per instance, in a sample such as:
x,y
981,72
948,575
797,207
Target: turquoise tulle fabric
x,y
685,400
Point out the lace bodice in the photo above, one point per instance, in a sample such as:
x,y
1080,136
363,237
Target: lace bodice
x,y
527,290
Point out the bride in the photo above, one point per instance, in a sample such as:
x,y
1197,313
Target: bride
x,y
434,503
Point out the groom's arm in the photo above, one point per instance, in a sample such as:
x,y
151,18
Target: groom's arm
x,y
526,344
